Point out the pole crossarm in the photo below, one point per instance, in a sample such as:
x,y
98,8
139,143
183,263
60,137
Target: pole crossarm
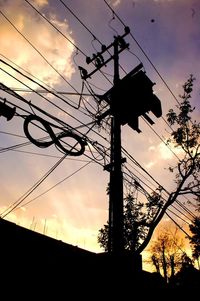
x,y
98,58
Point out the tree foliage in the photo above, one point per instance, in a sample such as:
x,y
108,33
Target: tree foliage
x,y
167,254
195,237
133,219
187,137
141,218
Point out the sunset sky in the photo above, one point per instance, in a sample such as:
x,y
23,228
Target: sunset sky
x,y
165,37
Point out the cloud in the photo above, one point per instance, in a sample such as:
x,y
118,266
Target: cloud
x,y
150,164
165,152
115,2
41,3
49,43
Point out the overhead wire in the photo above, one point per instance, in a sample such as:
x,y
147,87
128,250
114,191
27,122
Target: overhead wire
x,y
86,27
173,206
46,62
151,63
114,14
26,1
178,225
98,147
12,134
41,81
60,32
157,183
141,189
82,24
163,141
46,155
67,8
50,23
32,80
16,146
186,209
142,50
27,143
42,111
39,52
46,90
36,185
30,190
58,183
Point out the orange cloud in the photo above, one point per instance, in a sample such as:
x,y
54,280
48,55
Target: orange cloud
x,y
41,36
41,2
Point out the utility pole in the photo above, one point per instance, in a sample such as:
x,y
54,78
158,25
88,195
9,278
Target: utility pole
x,y
116,237
136,90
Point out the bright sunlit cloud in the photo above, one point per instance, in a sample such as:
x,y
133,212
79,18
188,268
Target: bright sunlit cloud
x,y
40,3
115,2
150,164
52,46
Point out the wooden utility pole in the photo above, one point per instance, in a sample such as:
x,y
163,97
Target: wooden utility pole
x,y
116,237
116,240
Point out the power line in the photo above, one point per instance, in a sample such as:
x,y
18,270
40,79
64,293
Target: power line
x,y
81,22
32,80
34,91
12,134
30,74
133,160
46,155
178,216
25,195
139,187
47,90
58,183
166,144
91,33
178,225
16,146
100,148
36,185
114,13
142,50
186,209
8,90
43,16
50,23
31,44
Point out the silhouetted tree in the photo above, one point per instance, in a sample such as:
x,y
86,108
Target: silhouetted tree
x,y
167,254
103,237
187,279
195,238
133,219
185,135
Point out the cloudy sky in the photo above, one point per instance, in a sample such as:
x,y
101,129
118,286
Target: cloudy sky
x,y
47,40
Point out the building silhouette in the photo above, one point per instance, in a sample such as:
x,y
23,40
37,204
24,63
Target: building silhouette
x,y
47,266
